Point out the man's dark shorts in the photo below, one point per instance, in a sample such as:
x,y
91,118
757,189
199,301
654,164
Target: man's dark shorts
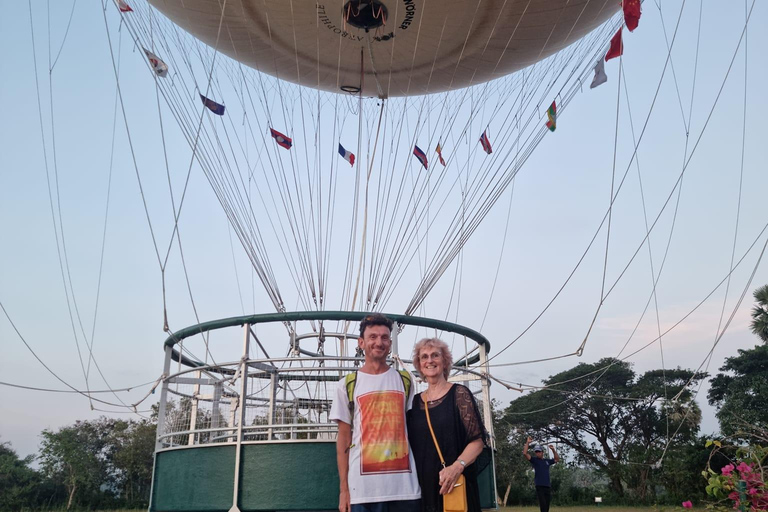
x,y
388,506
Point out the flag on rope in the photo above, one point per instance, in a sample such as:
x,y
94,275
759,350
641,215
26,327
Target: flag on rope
x,y
282,140
617,47
214,107
552,117
439,150
485,143
631,13
348,155
600,76
160,67
419,154
124,7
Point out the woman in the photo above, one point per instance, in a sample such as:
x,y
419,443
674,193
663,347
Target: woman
x,y
457,425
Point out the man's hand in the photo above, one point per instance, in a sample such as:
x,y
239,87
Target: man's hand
x,y
344,501
525,448
557,457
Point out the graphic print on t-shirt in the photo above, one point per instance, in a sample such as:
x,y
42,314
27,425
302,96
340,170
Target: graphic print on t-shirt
x,y
383,443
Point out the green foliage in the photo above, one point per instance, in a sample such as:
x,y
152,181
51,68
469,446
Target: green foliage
x,y
740,484
740,391
613,420
18,482
101,463
759,324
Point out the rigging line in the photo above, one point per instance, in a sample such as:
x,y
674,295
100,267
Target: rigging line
x,y
580,350
24,341
743,33
367,185
106,216
650,251
298,224
725,327
686,123
741,178
177,213
680,321
289,257
234,265
57,228
130,143
347,289
221,197
613,181
311,276
445,239
176,218
703,129
330,215
77,391
501,255
591,395
394,253
642,133
66,33
294,222
444,103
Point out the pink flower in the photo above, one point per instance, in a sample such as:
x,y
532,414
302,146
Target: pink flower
x,y
728,469
687,504
753,491
744,468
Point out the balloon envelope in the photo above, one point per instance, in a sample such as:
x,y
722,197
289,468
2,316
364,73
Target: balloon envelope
x,y
388,47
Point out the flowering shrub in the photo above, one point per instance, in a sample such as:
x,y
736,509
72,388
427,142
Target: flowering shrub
x,y
742,482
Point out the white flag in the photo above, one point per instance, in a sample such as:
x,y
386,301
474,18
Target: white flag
x,y
160,67
600,76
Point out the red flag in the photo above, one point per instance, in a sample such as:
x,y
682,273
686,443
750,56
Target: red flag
x,y
124,7
282,140
617,47
631,13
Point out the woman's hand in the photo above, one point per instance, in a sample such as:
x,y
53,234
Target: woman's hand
x,y
448,477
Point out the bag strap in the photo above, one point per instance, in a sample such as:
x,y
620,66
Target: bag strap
x,y
426,411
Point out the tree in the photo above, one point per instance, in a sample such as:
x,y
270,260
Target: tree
x,y
77,456
133,449
511,467
610,418
740,391
19,483
759,322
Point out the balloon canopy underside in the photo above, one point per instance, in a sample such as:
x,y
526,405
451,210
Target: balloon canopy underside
x,y
388,47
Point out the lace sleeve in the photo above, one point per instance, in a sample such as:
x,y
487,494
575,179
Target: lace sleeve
x,y
470,415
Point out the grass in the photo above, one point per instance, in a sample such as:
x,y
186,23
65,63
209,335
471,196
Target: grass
x,y
601,508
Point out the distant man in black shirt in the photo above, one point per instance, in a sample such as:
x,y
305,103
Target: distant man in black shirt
x,y
541,472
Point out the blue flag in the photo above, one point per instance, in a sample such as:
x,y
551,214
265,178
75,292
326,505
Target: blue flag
x,y
214,107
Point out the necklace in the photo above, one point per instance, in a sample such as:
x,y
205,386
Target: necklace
x,y
435,391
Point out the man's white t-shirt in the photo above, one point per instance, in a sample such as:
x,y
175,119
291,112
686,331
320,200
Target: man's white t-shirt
x,y
381,466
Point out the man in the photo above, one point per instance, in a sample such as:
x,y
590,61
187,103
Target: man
x,y
376,468
541,472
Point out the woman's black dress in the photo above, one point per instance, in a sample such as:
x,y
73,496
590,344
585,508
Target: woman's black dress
x,y
457,422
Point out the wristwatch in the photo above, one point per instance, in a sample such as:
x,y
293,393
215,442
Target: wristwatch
x,y
463,464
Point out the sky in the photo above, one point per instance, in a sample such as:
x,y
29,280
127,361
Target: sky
x,y
55,200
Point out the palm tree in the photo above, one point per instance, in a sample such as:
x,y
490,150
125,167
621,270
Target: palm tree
x,y
759,323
